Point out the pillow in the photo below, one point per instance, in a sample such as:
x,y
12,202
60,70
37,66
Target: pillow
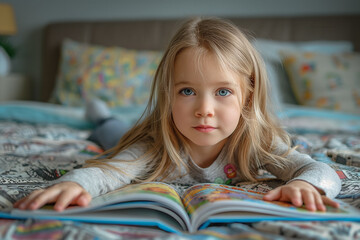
x,y
280,86
330,81
118,76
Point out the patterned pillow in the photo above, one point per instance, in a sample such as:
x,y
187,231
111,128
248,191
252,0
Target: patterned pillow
x,y
330,81
279,82
118,76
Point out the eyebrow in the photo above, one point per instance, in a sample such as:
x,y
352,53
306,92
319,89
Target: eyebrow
x,y
223,83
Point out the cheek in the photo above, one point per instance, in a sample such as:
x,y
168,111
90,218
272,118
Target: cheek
x,y
232,118
230,114
178,112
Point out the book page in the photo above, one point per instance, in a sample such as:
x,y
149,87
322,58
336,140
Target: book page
x,y
150,192
202,195
153,195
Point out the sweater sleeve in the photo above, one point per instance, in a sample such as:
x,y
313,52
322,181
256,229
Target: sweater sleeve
x,y
303,167
98,181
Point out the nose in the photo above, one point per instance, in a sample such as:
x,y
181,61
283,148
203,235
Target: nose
x,y
205,107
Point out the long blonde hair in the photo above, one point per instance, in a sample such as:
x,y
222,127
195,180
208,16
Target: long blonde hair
x,y
257,130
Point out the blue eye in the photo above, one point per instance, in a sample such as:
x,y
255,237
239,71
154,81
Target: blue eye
x,y
187,91
223,92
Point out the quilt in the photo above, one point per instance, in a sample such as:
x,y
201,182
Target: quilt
x,y
41,142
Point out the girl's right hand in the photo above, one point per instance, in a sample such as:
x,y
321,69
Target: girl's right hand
x,y
62,194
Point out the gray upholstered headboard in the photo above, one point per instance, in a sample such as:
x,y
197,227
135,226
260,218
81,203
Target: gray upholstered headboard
x,y
155,34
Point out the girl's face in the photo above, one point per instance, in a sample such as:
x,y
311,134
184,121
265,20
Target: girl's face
x,y
206,107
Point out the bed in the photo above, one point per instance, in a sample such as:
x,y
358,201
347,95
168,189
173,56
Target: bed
x,y
42,140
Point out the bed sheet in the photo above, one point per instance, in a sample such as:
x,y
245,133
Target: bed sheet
x,y
38,148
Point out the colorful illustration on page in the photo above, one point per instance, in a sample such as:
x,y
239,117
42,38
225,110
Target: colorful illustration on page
x,y
199,195
153,188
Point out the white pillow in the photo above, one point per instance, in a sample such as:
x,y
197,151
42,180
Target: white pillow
x,y
280,86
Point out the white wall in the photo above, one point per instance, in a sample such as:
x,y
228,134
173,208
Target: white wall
x,y
33,15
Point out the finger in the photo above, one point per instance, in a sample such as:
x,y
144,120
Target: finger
x,y
308,198
81,198
19,202
65,199
330,202
296,198
25,202
48,196
272,195
84,199
319,203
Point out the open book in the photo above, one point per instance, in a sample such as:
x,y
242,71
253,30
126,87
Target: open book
x,y
159,205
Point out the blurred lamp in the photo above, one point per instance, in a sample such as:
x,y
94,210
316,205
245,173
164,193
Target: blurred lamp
x,y
7,28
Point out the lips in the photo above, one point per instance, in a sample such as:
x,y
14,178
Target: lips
x,y
204,128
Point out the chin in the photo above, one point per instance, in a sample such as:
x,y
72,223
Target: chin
x,y
206,142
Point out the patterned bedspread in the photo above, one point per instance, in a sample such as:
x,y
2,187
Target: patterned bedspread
x,y
34,153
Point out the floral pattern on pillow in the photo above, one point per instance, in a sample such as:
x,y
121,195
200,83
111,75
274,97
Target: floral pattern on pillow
x,y
118,76
330,81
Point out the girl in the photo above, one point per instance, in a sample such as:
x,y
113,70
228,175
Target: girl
x,y
207,120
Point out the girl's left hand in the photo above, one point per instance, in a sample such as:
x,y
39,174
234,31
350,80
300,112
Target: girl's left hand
x,y
298,193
